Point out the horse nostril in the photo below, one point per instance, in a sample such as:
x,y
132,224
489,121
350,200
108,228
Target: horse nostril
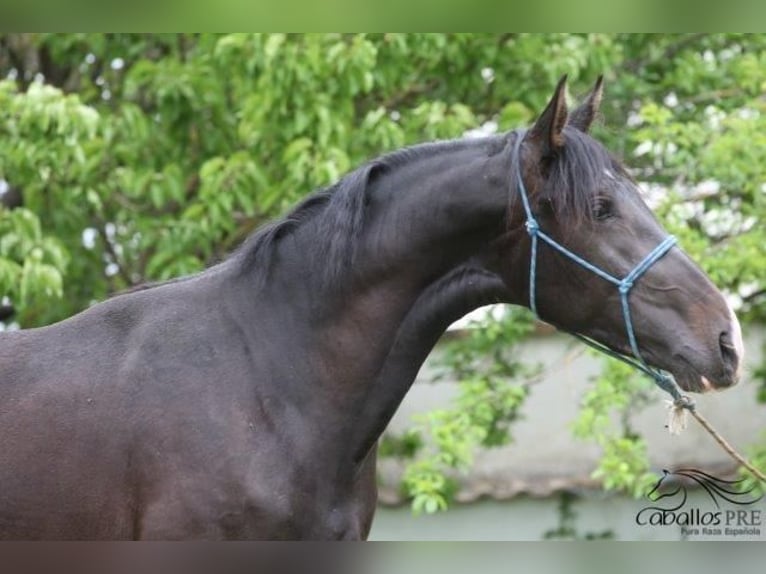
x,y
728,353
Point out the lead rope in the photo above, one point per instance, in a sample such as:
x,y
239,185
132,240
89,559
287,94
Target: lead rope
x,y
681,404
726,446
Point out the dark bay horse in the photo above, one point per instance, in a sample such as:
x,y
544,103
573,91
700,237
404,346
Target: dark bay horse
x,y
246,401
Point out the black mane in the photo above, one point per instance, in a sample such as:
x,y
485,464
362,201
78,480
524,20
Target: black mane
x,y
343,207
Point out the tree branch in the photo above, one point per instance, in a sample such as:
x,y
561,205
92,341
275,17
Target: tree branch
x,y
113,254
754,295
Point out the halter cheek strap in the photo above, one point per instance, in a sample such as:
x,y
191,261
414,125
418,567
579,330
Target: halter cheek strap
x,y
664,380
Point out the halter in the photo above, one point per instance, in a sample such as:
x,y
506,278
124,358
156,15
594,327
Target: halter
x,y
664,380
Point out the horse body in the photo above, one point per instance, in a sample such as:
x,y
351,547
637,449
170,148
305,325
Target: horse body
x,y
246,402
167,436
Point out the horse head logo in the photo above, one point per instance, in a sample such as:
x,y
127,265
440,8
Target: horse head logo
x,y
672,489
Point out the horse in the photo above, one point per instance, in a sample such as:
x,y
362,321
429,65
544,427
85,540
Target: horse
x,y
246,402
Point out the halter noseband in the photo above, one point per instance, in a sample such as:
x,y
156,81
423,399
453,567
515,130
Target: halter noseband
x,y
664,380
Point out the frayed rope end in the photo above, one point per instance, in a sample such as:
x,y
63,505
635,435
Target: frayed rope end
x,y
678,414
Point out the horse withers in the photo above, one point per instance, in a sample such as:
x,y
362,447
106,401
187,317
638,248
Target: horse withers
x,y
246,401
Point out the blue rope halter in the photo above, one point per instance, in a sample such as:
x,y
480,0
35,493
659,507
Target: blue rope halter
x,y
664,380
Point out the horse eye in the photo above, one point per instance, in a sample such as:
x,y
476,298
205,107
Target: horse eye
x,y
602,209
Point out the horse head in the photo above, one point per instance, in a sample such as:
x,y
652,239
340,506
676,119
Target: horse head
x,y
584,200
667,486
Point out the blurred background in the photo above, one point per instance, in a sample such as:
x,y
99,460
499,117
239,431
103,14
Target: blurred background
x,y
131,158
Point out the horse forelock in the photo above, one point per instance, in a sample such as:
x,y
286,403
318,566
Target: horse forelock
x,y
573,176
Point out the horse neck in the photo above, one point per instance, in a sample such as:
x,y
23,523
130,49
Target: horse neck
x,y
458,292
358,338
410,280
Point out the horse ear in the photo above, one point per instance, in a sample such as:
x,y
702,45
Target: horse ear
x,y
548,132
583,116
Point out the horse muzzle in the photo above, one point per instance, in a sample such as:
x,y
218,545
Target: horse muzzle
x,y
717,369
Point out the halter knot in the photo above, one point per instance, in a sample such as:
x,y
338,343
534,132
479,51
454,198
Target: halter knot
x,y
532,227
625,286
684,402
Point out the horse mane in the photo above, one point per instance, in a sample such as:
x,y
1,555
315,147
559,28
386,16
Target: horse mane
x,y
342,205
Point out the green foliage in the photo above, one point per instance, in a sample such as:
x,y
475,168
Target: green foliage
x,y
757,457
405,445
480,417
142,157
31,264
